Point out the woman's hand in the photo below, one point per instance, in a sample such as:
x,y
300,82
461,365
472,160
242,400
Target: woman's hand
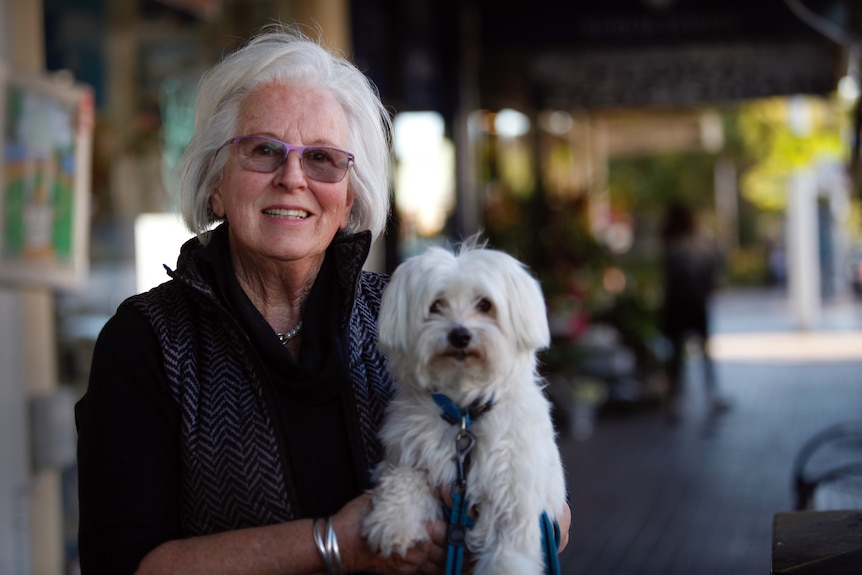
x,y
565,521
427,558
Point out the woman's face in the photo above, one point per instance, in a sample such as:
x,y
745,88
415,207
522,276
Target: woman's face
x,y
285,215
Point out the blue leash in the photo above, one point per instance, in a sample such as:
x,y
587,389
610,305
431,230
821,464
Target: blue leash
x,y
459,522
459,519
550,543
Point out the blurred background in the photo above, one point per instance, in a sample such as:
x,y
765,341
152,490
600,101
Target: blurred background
x,y
561,129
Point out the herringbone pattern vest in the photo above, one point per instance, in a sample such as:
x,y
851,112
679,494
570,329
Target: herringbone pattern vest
x,y
232,471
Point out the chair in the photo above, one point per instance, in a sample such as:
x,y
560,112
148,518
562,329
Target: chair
x,y
827,471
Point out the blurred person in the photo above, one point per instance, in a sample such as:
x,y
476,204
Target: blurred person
x,y
231,416
778,264
690,267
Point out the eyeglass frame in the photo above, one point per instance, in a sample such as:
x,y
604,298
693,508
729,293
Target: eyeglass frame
x,y
288,149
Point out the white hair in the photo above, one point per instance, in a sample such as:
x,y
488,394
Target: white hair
x,y
283,55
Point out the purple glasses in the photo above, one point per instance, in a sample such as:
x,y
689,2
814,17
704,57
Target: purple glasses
x,y
264,154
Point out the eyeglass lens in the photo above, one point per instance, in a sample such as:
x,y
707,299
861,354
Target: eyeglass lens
x,y
262,154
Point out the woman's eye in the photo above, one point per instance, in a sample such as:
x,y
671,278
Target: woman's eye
x,y
484,305
318,156
266,150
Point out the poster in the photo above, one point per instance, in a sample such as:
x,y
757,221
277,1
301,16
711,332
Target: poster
x,y
47,126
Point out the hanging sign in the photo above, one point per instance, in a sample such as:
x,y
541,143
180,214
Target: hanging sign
x,y
46,145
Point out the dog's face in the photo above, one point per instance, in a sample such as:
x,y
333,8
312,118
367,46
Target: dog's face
x,y
459,322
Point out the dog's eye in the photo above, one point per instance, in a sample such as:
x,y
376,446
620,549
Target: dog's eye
x,y
436,306
484,305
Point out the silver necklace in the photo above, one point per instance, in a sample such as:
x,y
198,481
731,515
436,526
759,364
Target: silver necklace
x,y
286,337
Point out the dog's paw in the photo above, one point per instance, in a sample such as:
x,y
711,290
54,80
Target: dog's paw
x,y
389,533
402,505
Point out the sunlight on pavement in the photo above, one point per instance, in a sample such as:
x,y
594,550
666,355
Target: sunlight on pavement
x,y
787,347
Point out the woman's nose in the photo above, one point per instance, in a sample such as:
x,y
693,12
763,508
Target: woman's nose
x,y
290,172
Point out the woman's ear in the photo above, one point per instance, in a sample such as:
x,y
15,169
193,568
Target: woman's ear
x,y
348,207
216,202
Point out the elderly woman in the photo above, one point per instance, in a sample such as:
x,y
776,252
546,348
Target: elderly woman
x,y
232,405
231,416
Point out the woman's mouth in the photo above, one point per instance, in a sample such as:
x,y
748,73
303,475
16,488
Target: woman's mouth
x,y
285,213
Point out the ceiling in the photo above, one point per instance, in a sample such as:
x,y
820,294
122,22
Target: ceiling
x,y
453,55
632,53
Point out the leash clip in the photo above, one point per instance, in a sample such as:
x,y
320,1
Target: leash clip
x,y
464,442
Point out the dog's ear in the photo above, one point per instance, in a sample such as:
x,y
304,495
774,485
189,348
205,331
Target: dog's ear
x,y
527,310
408,295
401,308
394,309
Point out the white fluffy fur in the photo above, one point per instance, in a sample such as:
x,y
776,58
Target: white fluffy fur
x,y
516,472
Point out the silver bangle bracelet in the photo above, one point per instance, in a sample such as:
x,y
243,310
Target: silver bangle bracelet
x,y
328,547
332,548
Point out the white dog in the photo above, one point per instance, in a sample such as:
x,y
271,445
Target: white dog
x,y
467,326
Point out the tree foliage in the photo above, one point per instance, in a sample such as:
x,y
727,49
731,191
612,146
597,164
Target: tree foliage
x,y
779,136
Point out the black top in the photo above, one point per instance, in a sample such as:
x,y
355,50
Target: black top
x,y
307,397
128,421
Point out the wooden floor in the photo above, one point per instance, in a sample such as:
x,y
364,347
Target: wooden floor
x,y
697,497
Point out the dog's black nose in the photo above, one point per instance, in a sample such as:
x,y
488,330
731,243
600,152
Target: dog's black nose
x,y
460,337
